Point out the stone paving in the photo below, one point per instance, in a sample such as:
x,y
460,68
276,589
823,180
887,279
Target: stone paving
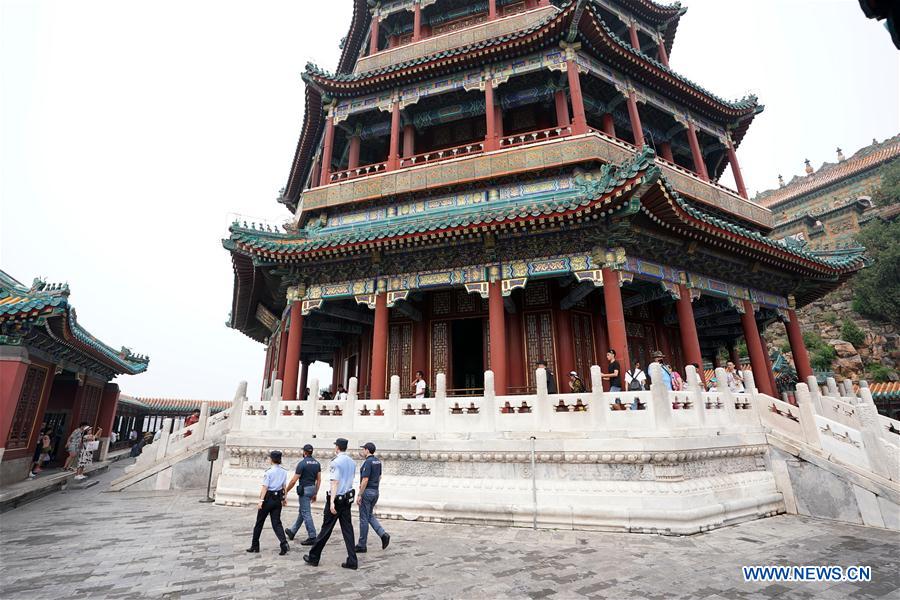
x,y
166,545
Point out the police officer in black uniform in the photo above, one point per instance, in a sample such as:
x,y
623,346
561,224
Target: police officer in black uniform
x,y
271,499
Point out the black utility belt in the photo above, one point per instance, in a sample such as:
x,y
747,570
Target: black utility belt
x,y
275,493
345,497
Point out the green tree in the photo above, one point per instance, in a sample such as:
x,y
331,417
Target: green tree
x,y
850,332
876,289
820,353
889,192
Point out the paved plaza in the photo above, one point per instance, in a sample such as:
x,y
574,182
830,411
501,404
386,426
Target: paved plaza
x,y
95,544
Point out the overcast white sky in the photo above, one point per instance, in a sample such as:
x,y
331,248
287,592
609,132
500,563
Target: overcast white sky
x,y
131,132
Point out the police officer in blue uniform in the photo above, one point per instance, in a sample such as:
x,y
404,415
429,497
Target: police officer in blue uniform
x,y
369,480
309,476
271,499
338,502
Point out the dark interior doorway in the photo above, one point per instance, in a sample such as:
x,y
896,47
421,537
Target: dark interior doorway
x,y
467,342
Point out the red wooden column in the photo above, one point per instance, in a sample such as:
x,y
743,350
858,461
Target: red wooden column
x,y
798,348
490,136
579,119
565,350
498,123
327,148
282,353
665,151
661,51
696,154
615,317
394,154
601,341
304,380
690,342
419,350
635,116
497,324
515,349
106,413
13,367
353,152
765,349
736,168
417,21
754,347
379,347
492,9
292,362
335,370
409,140
608,123
373,39
633,34
562,109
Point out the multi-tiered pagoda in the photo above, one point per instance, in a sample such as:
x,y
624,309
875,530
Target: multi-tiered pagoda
x,y
489,184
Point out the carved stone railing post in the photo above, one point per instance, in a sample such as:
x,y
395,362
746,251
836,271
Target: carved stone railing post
x,y
695,391
350,404
353,390
394,404
726,395
876,452
815,393
542,402
831,384
201,428
164,439
490,401
808,417
274,405
598,407
238,406
660,399
441,407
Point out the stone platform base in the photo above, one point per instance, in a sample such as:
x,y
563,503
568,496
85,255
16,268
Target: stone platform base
x,y
675,486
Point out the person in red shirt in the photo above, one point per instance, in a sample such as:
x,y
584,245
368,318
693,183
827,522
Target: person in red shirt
x,y
193,419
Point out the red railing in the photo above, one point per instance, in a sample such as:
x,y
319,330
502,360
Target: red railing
x,y
358,172
444,154
532,137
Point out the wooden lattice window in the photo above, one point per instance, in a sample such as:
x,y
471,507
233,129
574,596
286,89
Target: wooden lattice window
x,y
90,405
27,407
400,354
440,350
583,336
539,342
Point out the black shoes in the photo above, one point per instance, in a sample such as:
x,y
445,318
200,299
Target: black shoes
x,y
308,542
290,534
253,549
309,561
284,549
348,566
360,550
385,540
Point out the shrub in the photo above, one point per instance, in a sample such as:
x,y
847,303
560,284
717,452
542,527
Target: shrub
x,y
820,353
830,317
850,332
785,347
879,373
876,289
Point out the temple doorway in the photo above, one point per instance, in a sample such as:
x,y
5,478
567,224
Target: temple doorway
x,y
467,343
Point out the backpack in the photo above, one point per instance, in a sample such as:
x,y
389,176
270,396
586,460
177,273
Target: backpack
x,y
427,391
635,385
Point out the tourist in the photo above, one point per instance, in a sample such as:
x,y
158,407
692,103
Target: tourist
x,y
615,379
89,444
132,436
658,358
551,379
420,387
306,394
561,407
73,446
575,383
635,378
42,451
734,379
138,447
307,477
271,500
341,393
369,480
192,419
338,502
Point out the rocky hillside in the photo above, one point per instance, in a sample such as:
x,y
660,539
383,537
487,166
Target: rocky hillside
x,y
874,355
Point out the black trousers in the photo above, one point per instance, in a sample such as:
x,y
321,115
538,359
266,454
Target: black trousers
x,y
343,516
271,508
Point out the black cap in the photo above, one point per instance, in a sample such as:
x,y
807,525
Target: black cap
x,y
341,443
275,455
369,446
308,448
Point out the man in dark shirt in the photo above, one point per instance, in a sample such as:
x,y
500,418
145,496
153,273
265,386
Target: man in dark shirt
x,y
369,480
614,375
307,477
551,378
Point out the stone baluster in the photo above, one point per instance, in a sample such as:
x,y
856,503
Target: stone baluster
x,y
274,405
201,427
726,396
350,403
599,406
807,410
353,390
832,388
489,405
815,393
757,405
847,387
542,401
394,404
313,403
163,441
870,429
660,399
695,393
238,406
441,407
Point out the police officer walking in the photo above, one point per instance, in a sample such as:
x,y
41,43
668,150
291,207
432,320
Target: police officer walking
x,y
271,499
309,476
338,502
369,480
